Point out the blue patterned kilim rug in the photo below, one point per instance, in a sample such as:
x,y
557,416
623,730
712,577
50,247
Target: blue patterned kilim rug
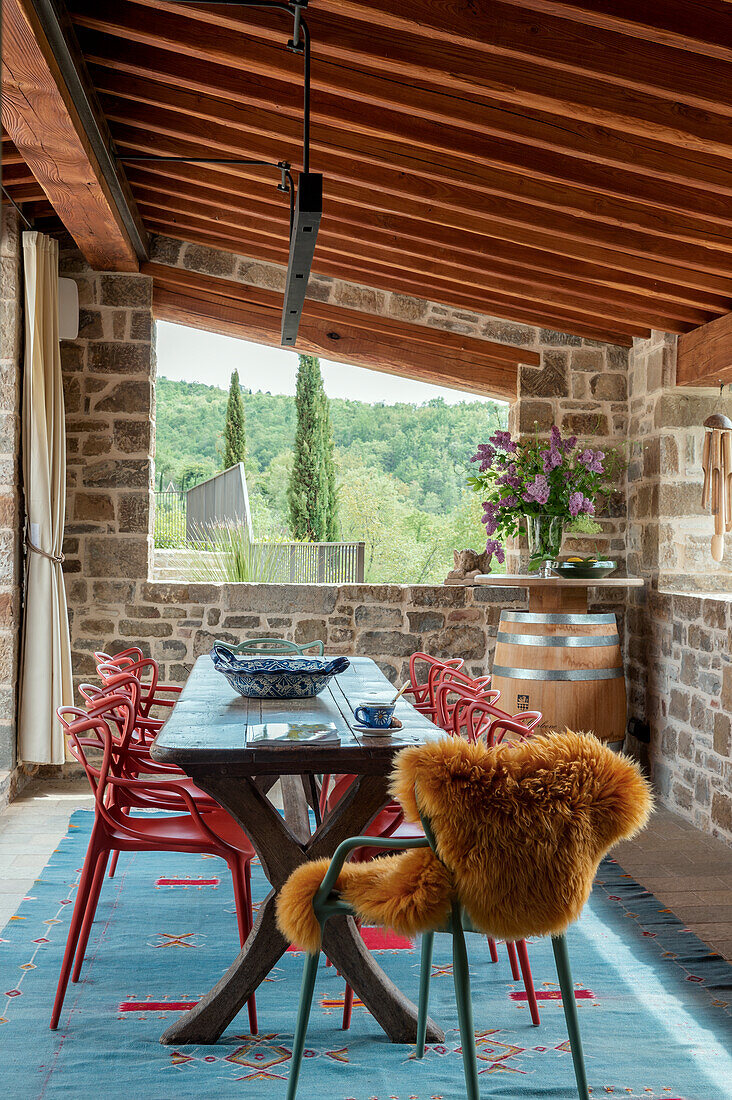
x,y
654,1003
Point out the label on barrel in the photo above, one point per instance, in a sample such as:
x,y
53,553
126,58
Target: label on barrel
x,y
522,702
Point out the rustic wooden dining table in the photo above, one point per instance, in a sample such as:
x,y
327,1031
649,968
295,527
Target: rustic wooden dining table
x,y
219,739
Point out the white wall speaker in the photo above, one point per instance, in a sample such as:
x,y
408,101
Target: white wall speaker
x,y
68,309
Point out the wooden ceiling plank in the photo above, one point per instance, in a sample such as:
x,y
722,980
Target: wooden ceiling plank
x,y
472,248
385,168
704,28
413,200
704,356
519,314
442,270
25,192
559,44
417,254
39,114
607,140
706,225
511,69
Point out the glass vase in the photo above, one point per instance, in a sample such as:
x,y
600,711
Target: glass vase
x,y
545,534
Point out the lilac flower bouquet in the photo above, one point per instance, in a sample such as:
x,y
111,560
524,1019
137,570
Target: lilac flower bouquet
x,y
535,487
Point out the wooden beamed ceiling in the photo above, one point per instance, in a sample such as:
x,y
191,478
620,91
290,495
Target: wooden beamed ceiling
x,y
563,163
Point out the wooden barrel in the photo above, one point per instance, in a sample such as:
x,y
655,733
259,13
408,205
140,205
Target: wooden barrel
x,y
567,666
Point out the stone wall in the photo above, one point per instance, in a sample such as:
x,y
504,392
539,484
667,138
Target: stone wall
x,y
11,342
176,623
109,389
677,642
581,386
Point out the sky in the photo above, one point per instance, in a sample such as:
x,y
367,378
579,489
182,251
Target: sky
x,y
192,355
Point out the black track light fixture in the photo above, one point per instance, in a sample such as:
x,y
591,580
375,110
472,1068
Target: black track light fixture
x,y
306,201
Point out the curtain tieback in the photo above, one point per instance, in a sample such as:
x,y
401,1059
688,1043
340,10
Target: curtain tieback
x,y
57,560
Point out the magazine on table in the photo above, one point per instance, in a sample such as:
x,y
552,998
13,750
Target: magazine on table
x,y
289,733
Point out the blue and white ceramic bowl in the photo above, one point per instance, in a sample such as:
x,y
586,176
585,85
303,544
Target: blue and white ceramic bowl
x,y
276,677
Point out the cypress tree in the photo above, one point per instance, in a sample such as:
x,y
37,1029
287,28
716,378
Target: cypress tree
x,y
235,440
311,492
331,524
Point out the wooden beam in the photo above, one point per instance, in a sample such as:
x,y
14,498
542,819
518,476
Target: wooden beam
x,y
704,356
40,115
558,44
354,41
705,29
416,252
438,276
419,233
155,107
247,42
545,179
344,335
414,178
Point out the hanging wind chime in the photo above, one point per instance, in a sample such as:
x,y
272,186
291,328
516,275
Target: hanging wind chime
x,y
717,467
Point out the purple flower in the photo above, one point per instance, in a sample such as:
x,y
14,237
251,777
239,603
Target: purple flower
x,y
502,440
511,501
578,502
592,460
508,478
490,516
551,459
485,455
575,503
494,548
537,491
559,444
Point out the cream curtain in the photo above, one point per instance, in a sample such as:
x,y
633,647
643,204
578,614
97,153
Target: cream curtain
x,y
45,677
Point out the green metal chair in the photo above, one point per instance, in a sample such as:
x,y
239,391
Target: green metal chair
x,y
274,647
328,904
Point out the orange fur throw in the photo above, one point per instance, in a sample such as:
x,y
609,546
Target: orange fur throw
x,y
520,832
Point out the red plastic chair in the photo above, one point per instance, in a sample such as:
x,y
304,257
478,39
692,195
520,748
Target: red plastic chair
x,y
139,762
454,699
422,694
115,829
423,699
153,693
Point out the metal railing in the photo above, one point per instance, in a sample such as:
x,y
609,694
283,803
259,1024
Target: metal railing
x,y
170,519
326,562
297,562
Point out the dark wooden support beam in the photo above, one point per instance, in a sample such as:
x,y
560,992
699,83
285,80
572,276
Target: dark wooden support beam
x,y
59,132
365,340
705,355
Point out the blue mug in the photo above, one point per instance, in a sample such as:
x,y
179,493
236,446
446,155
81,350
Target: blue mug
x,y
377,716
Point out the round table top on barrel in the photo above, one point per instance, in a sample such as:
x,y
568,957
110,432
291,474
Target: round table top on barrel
x,y
524,580
556,594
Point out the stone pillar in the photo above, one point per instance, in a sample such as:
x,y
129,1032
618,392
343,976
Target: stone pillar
x,y
11,342
581,386
109,379
677,633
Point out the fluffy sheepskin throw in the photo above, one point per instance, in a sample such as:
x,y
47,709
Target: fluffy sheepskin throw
x,y
520,831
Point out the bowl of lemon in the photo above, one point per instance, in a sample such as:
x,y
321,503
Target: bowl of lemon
x,y
583,568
